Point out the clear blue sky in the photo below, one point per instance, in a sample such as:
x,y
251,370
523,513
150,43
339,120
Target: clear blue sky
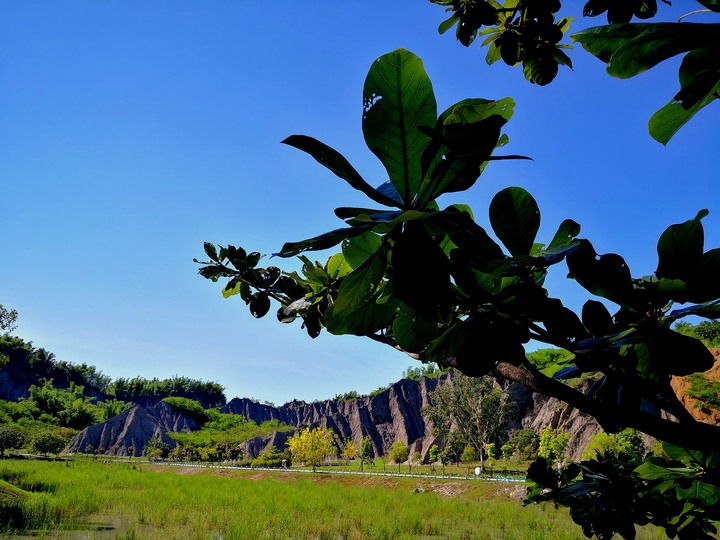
x,y
131,132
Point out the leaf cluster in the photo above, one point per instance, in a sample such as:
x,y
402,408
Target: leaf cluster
x,y
526,32
679,492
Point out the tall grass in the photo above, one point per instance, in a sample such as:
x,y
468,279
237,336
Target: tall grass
x,y
163,502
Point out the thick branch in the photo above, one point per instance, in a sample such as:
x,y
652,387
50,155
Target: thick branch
x,y
688,434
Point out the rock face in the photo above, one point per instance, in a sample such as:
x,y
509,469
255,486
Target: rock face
x,y
128,433
393,415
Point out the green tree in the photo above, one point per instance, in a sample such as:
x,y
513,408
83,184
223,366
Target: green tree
x,y
552,444
10,439
414,373
469,410
707,331
399,452
601,443
470,454
155,448
366,451
523,444
48,443
312,446
431,282
8,319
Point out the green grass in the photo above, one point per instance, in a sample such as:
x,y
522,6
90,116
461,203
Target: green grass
x,y
704,390
167,502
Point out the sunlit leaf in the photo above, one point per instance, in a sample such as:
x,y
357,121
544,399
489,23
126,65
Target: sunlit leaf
x,y
397,99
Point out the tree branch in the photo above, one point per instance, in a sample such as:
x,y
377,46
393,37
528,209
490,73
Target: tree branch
x,y
688,434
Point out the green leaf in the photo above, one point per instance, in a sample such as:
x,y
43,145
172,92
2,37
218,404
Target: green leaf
x,y
420,268
691,458
597,319
680,249
232,288
335,161
357,250
700,85
413,329
324,241
515,218
607,275
447,24
705,287
337,266
259,305
650,471
630,49
350,314
464,139
398,99
565,234
211,251
704,493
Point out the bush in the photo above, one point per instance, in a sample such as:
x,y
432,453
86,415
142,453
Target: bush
x,y
470,454
271,457
10,439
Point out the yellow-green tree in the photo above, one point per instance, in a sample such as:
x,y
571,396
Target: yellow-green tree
x,y
312,446
350,451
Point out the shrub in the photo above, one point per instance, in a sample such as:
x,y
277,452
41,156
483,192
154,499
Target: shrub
x,y
10,439
48,443
271,457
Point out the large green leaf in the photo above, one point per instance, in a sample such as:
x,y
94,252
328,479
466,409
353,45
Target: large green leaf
x,y
397,100
413,329
355,310
335,161
465,136
630,49
706,494
515,218
607,275
699,86
357,250
680,249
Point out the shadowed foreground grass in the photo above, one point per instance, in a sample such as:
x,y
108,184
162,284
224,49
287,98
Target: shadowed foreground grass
x,y
153,502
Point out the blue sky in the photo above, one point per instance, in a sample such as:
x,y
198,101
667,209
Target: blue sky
x,y
131,132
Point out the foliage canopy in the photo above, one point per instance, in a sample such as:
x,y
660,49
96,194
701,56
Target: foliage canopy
x,y
434,284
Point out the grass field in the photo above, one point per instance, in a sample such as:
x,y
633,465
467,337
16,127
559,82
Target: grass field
x,y
144,501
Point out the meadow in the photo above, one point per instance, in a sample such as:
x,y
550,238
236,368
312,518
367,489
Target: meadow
x,y
141,500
